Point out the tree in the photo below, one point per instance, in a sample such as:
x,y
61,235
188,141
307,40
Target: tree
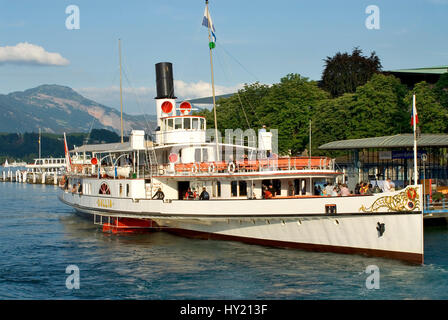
x,y
345,72
332,121
441,90
288,106
432,116
379,109
375,109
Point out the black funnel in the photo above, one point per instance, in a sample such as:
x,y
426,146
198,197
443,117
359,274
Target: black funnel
x,y
164,80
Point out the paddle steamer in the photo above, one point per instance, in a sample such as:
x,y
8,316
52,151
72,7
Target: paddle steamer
x,y
119,185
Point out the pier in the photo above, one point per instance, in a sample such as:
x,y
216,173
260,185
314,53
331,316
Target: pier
x,y
436,209
23,176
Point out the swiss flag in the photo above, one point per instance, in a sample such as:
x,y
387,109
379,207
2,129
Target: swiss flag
x,y
414,115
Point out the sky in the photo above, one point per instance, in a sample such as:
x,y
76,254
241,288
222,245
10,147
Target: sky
x,y
260,40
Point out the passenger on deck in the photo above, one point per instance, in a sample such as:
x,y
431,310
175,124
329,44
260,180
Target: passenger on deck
x,y
204,194
159,195
364,188
387,185
370,190
80,188
65,182
272,190
329,190
334,192
266,193
290,189
344,190
74,188
189,195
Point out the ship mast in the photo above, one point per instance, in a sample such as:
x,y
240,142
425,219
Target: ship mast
x,y
121,92
211,46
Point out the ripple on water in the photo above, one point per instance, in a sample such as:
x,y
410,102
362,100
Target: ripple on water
x,y
40,237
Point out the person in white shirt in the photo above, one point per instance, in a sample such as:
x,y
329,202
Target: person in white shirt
x,y
387,187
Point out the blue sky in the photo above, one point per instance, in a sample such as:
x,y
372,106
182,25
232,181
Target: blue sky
x,y
256,41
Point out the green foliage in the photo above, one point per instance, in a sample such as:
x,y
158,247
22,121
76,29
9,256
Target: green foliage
x,y
286,106
332,121
441,90
345,72
432,116
375,109
379,109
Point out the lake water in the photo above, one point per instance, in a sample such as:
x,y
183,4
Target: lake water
x,y
40,237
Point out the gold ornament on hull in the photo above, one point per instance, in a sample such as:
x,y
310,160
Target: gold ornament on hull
x,y
407,200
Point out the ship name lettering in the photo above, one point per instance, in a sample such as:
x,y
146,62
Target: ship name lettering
x,y
104,203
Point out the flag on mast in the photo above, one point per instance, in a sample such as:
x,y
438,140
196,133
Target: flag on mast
x,y
414,115
68,161
207,22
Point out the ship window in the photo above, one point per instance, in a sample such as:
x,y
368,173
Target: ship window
x,y
204,155
187,123
330,209
243,188
234,188
202,124
195,123
197,155
170,124
127,189
177,123
104,188
121,190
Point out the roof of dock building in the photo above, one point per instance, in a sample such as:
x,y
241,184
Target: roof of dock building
x,y
397,141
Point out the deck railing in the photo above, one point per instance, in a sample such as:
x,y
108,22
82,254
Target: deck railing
x,y
262,165
435,206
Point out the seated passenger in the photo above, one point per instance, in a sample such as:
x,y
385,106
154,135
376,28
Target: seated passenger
x,y
267,194
272,191
159,195
344,190
189,195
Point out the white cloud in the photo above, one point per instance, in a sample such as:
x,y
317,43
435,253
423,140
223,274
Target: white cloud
x,y
200,89
141,99
28,53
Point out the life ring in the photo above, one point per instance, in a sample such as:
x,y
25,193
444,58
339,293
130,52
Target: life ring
x,y
211,168
412,193
231,167
195,168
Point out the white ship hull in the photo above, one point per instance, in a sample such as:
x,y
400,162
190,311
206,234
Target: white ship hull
x,y
299,223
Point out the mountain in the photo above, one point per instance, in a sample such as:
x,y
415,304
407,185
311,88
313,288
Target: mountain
x,y
58,109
